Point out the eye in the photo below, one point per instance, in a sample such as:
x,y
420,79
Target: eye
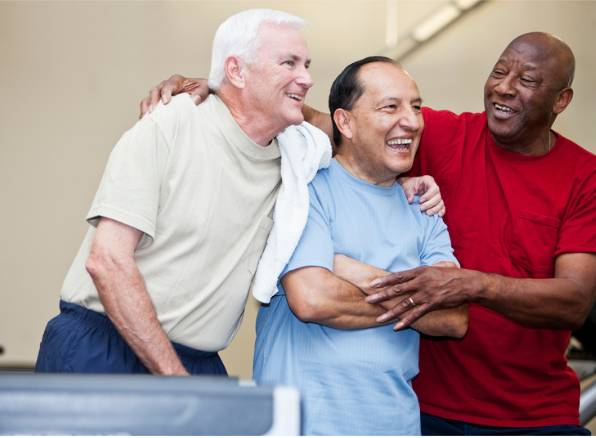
x,y
417,108
526,80
290,63
390,107
498,73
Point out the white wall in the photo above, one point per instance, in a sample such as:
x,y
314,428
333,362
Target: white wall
x,y
72,73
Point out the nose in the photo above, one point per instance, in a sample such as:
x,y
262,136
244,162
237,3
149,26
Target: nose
x,y
505,86
411,119
304,78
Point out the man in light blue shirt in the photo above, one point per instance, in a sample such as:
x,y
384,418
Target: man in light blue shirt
x,y
319,333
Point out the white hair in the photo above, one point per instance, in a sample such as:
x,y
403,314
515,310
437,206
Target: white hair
x,y
238,35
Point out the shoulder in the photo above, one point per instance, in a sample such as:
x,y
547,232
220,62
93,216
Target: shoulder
x,y
424,223
179,107
573,150
576,160
414,211
448,119
321,183
175,115
444,131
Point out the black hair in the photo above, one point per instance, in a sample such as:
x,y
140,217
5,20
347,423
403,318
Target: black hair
x,y
346,89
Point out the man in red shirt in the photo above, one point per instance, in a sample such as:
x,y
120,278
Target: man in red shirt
x,y
521,202
521,211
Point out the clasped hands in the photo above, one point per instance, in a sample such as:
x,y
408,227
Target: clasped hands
x,y
410,294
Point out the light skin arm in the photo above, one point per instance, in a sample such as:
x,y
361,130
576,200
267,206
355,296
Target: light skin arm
x,y
122,292
431,201
445,322
562,302
317,295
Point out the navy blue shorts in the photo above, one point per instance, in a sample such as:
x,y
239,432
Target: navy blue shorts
x,y
432,425
80,340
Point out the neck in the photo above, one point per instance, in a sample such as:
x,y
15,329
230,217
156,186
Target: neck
x,y
540,145
250,121
360,168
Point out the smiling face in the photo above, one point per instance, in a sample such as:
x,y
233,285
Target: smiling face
x,y
278,79
523,92
384,126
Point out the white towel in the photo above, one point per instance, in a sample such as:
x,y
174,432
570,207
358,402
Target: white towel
x,y
304,150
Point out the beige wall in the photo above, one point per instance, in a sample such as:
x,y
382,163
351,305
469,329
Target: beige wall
x,y
71,75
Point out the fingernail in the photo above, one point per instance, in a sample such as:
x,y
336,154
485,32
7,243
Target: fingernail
x,y
398,326
369,299
382,318
150,109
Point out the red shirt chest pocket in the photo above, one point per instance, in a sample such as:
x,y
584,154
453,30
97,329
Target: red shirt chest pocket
x,y
533,243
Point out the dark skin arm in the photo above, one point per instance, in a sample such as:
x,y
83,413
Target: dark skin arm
x,y
425,186
175,84
320,119
562,302
362,274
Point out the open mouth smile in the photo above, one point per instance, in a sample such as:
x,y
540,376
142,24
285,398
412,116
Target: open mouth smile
x,y
294,96
503,111
399,144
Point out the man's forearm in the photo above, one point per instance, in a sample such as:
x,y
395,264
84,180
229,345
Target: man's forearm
x,y
123,294
317,295
543,303
446,322
562,302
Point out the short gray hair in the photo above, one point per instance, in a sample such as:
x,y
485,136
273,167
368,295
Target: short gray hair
x,y
238,36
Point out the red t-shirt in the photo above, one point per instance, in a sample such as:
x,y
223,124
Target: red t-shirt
x,y
508,214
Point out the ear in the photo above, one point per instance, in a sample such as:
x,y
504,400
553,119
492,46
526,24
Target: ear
x,y
234,69
562,100
342,119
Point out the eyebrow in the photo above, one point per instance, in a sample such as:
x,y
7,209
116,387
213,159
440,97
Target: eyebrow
x,y
527,66
399,99
296,58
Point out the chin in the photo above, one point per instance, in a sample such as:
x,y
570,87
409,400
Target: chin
x,y
295,119
400,168
499,132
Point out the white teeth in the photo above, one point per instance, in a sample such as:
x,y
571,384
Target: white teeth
x,y
294,96
503,108
399,141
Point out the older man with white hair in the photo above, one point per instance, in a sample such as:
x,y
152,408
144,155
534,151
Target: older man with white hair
x,y
183,212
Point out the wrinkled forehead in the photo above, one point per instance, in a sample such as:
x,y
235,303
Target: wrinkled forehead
x,y
527,52
539,56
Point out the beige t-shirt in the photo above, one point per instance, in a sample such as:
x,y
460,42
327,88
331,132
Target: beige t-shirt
x,y
202,193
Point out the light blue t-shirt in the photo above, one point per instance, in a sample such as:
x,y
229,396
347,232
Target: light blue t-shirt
x,y
352,382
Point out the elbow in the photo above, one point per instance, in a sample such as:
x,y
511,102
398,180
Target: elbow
x,y
458,326
585,307
576,314
455,329
96,265
577,319
306,307
101,264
